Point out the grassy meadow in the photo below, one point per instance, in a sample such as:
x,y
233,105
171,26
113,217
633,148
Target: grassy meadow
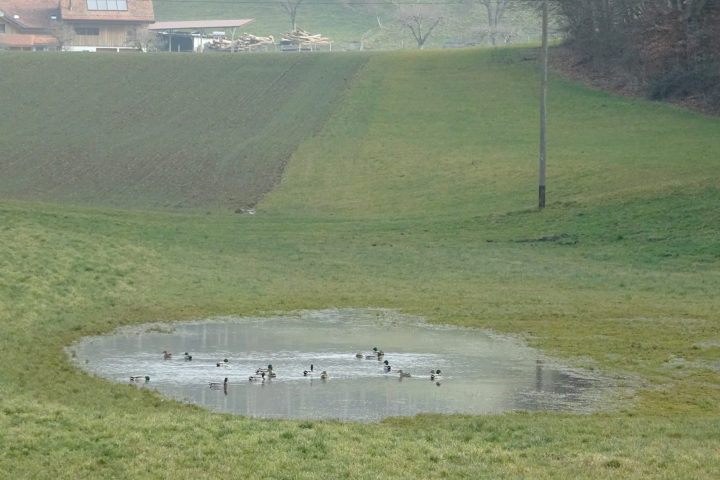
x,y
411,186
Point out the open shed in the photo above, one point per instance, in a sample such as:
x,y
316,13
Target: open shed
x,y
192,35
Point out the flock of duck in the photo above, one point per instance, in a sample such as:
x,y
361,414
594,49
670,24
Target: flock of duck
x,y
263,374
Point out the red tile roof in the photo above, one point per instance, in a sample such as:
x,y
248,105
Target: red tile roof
x,y
140,11
30,14
20,40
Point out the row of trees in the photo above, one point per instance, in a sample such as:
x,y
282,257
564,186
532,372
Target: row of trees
x,y
421,19
671,46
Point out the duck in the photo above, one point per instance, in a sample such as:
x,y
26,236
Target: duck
x,y
188,357
376,354
403,374
266,371
324,375
218,385
166,355
257,378
435,374
140,379
358,355
307,373
224,363
387,366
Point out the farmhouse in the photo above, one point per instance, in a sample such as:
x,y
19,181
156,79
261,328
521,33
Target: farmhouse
x,y
75,25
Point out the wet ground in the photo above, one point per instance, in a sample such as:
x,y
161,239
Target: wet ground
x,y
480,373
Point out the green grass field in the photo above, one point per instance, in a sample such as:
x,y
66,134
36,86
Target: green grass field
x,y
159,131
412,187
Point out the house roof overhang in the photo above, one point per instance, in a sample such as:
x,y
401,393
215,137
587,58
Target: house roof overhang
x,y
20,40
200,24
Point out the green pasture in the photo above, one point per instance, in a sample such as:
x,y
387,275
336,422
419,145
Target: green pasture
x,y
412,187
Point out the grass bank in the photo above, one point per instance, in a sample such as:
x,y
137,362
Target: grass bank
x,y
416,194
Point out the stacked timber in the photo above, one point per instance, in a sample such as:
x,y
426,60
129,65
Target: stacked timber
x,y
245,43
248,42
301,40
219,44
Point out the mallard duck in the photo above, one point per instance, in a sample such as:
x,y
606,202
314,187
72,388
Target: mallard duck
x,y
218,385
224,363
324,375
358,355
188,357
257,378
435,374
378,353
264,369
140,379
403,374
166,355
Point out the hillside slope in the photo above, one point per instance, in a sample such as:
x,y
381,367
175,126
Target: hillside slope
x,y
160,131
416,194
455,134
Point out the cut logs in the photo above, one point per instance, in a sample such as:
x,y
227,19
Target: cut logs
x,y
301,40
297,40
245,43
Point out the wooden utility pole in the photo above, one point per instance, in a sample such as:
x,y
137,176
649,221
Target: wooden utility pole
x,y
543,103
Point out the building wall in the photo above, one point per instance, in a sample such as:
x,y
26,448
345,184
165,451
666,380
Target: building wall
x,y
82,35
9,28
89,36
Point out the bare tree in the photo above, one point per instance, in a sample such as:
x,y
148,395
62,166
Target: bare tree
x,y
64,34
420,20
145,40
291,8
672,47
495,12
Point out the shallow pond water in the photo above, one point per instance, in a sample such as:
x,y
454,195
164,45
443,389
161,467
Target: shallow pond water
x,y
480,373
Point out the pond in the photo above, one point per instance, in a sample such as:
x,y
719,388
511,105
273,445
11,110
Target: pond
x,y
479,372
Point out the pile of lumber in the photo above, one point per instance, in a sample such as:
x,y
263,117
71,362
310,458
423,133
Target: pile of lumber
x,y
300,38
219,44
245,43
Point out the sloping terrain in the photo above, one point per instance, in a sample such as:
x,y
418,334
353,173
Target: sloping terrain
x,y
455,134
414,190
160,131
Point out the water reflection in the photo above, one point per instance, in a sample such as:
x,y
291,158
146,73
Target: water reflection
x,y
479,373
